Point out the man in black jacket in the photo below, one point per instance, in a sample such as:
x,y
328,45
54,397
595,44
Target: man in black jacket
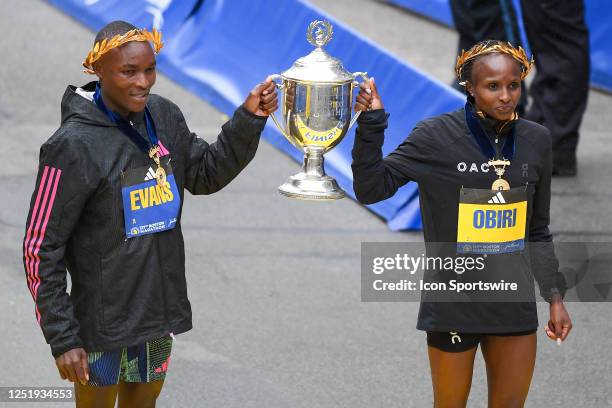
x,y
559,38
107,206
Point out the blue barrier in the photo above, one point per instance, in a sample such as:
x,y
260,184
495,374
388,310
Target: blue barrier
x,y
220,51
598,18
437,10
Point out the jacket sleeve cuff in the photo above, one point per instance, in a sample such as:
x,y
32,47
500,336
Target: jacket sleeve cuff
x,y
371,126
557,286
373,118
245,117
59,349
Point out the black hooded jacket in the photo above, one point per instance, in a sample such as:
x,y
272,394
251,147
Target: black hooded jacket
x,y
124,291
442,155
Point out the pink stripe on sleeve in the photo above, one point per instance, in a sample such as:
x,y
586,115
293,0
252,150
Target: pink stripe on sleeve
x,y
26,242
36,231
44,229
37,313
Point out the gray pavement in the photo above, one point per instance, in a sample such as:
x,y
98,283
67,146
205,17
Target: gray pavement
x,y
274,283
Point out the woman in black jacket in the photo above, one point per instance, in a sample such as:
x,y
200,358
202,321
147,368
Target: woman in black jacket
x,y
481,150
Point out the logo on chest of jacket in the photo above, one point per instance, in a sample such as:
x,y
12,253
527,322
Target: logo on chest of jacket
x,y
464,167
473,167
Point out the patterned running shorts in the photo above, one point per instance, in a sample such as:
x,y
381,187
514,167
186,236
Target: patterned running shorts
x,y
143,363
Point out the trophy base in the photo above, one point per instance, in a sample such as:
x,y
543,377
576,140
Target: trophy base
x,y
305,187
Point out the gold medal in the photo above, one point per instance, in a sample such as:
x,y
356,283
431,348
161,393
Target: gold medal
x,y
500,183
160,176
160,173
154,154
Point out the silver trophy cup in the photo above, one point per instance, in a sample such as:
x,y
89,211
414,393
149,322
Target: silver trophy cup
x,y
315,114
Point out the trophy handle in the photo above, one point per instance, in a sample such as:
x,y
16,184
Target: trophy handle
x,y
284,130
364,76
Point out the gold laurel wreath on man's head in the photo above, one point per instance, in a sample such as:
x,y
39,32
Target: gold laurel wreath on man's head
x,y
104,46
489,47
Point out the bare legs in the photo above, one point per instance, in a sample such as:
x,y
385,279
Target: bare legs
x,y
95,397
451,377
142,395
510,361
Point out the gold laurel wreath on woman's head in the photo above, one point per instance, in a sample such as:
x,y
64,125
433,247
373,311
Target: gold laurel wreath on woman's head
x,y
483,48
104,46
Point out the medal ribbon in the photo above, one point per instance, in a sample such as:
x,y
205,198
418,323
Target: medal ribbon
x,y
483,141
148,145
145,144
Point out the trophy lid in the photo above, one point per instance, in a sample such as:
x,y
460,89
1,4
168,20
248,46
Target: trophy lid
x,y
318,66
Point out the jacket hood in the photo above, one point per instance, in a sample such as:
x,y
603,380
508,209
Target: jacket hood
x,y
78,106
